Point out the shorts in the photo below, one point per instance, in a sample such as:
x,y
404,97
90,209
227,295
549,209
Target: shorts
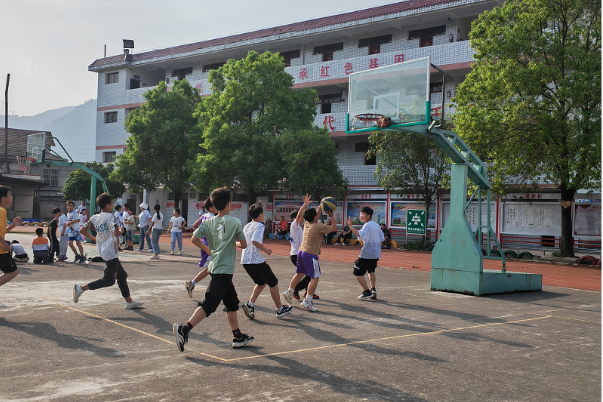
x,y
308,264
293,259
7,265
220,289
75,236
261,274
129,235
364,265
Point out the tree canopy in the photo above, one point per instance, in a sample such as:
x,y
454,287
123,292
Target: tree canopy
x,y
77,186
531,106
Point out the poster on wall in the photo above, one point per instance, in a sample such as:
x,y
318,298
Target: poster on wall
x,y
472,214
284,208
379,211
398,213
587,219
532,219
239,210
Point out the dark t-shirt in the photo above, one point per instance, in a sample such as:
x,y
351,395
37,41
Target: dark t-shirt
x,y
386,233
52,229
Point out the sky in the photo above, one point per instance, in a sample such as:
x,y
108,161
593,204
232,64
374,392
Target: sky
x,y
47,45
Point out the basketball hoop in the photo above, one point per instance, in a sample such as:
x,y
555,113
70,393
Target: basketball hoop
x,y
24,163
367,118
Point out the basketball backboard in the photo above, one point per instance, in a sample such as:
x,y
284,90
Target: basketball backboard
x,y
36,146
399,92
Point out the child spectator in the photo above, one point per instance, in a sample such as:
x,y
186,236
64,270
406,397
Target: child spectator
x,y
155,228
7,265
19,251
222,232
84,216
144,219
176,224
52,234
125,215
63,237
81,208
130,223
40,248
120,223
106,230
205,254
73,230
282,227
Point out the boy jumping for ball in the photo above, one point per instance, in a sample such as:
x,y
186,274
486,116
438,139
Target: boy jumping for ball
x,y
256,266
297,234
205,253
222,232
371,236
307,258
7,265
106,229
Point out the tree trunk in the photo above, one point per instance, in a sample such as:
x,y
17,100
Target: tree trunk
x,y
567,235
176,200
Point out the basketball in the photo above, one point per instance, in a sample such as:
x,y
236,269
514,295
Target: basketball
x,y
328,204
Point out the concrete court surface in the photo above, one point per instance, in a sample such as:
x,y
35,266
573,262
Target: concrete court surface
x,y
410,345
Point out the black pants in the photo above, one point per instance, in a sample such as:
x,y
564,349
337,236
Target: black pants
x,y
41,257
220,289
305,281
114,272
55,248
344,237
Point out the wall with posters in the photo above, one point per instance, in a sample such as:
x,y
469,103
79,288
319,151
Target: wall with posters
x,y
531,218
587,219
398,213
239,210
379,211
472,214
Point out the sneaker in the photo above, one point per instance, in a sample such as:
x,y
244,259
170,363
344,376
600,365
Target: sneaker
x,y
140,249
288,296
180,252
82,258
150,250
367,294
374,296
77,292
296,294
283,311
181,337
243,340
188,285
76,259
132,305
308,305
249,311
315,297
172,252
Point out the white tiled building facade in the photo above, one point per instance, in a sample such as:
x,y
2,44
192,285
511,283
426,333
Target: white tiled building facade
x,y
320,54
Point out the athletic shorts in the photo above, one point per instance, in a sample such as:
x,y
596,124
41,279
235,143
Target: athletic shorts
x,y
220,289
293,259
364,265
129,235
75,236
261,274
7,265
308,264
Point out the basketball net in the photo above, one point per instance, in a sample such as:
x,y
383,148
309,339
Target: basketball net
x,y
24,164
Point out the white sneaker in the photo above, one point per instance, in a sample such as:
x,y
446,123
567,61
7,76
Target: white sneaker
x,y
172,252
288,296
308,305
132,305
77,292
179,252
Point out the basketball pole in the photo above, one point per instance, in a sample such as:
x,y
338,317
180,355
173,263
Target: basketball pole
x,y
6,124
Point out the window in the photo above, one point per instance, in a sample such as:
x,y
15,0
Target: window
x,y
425,36
51,177
294,54
214,66
109,157
364,147
326,101
181,73
111,117
374,44
328,50
111,78
435,87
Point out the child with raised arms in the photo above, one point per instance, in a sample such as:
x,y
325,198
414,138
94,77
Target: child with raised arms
x,y
296,236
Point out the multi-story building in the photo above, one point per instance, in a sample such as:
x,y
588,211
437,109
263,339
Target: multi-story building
x,y
320,54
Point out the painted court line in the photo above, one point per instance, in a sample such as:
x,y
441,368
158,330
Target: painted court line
x,y
308,349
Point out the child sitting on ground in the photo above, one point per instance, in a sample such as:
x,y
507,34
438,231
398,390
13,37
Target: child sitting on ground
x,y
40,248
20,254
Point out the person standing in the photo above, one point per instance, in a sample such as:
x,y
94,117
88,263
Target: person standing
x,y
73,230
175,228
155,228
52,234
144,218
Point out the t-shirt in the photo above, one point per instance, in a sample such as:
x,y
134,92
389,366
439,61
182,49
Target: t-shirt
x,y
104,224
283,225
52,228
221,232
177,224
254,231
73,216
296,236
3,228
158,222
313,237
119,218
144,218
386,233
205,217
17,249
80,208
39,244
62,222
130,222
372,236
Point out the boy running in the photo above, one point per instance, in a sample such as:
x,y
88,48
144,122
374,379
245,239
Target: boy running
x,y
106,230
73,230
307,258
222,232
7,265
205,254
372,236
256,266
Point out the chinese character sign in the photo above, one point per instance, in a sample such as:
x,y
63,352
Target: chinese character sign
x,y
348,68
303,73
399,58
416,220
324,71
329,120
374,63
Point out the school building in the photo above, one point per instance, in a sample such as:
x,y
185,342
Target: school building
x,y
321,54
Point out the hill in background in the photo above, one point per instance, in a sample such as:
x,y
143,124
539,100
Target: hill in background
x,y
74,126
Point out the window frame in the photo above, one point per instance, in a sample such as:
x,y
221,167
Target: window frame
x,y
112,78
213,66
111,119
112,154
427,32
181,73
51,177
290,55
374,43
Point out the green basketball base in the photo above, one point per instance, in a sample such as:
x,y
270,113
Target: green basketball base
x,y
483,283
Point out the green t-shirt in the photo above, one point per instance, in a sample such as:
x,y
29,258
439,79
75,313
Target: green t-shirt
x,y
221,233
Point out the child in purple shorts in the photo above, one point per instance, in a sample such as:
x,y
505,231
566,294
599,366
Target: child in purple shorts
x,y
205,254
307,258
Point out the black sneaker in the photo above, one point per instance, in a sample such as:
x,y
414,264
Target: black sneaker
x,y
283,311
243,340
249,311
367,294
181,337
374,292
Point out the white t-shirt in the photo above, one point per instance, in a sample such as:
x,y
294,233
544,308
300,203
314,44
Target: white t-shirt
x,y
104,224
17,249
177,224
73,216
372,236
119,218
144,218
253,231
296,235
62,222
158,222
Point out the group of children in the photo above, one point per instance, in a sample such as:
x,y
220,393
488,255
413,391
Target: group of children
x,y
218,235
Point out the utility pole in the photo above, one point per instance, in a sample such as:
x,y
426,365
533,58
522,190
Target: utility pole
x,y
6,125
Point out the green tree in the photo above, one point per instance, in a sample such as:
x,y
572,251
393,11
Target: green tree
x,y
409,164
531,106
162,140
77,186
251,104
310,160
